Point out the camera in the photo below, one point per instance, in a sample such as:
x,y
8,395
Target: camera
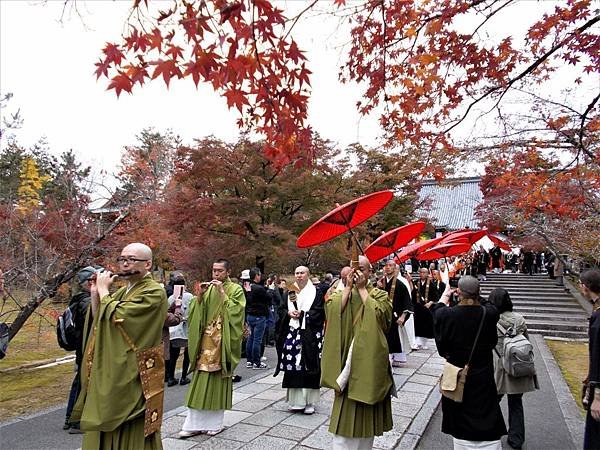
x,y
454,282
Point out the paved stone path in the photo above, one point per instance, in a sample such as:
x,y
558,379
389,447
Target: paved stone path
x,y
260,419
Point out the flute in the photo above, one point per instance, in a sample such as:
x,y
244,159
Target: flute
x,y
118,274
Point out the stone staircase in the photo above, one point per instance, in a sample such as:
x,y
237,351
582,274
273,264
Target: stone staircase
x,y
549,309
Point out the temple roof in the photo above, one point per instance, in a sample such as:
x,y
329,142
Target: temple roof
x,y
450,204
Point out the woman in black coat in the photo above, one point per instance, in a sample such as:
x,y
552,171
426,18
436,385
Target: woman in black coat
x,y
478,418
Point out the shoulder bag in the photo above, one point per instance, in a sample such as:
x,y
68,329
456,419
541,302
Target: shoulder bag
x,y
452,383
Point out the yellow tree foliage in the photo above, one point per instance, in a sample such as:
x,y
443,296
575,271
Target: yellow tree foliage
x,y
30,186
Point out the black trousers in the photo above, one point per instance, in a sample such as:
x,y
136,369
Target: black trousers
x,y
516,420
172,362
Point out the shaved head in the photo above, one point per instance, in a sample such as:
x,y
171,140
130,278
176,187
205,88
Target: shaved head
x,y
302,269
137,261
138,249
302,275
345,271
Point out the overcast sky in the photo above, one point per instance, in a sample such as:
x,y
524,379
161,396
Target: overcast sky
x,y
49,66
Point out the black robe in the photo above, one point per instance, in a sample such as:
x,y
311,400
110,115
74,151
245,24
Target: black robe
x,y
483,260
311,337
591,438
478,417
496,255
400,303
423,318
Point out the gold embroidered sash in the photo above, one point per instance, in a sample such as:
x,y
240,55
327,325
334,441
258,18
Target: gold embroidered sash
x,y
151,367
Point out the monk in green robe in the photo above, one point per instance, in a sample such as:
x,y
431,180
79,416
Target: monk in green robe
x,y
111,406
215,327
355,361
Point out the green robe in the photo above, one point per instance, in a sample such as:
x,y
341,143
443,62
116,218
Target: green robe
x,y
111,404
364,408
214,390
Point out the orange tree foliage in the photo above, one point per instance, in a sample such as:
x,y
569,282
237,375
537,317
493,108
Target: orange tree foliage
x,y
229,200
543,203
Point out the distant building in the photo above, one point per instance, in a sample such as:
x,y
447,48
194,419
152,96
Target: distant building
x,y
450,205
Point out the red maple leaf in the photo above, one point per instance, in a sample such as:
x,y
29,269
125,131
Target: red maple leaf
x,y
120,82
237,98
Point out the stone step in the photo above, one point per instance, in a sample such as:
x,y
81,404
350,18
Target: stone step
x,y
535,301
526,295
550,316
570,335
562,309
550,304
542,287
558,325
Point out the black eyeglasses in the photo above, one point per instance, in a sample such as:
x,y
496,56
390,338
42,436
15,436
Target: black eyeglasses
x,y
128,259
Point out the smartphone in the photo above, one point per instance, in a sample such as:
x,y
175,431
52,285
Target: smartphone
x,y
454,282
178,291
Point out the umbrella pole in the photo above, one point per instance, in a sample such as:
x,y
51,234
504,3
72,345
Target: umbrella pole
x,y
347,223
356,240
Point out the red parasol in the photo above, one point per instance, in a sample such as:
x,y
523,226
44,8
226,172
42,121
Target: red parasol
x,y
413,250
472,236
344,218
443,251
391,241
455,240
500,242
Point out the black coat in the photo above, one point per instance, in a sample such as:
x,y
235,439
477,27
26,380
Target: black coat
x,y
496,255
79,305
591,438
423,318
257,301
311,336
478,417
400,303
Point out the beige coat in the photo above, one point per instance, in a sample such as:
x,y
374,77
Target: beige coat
x,y
505,384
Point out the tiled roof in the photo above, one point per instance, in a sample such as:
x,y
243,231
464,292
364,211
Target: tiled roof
x,y
450,205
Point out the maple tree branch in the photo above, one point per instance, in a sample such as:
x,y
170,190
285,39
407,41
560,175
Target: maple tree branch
x,y
582,127
298,17
49,287
490,15
530,69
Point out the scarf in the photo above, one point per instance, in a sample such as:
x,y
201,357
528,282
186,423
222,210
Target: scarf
x,y
305,299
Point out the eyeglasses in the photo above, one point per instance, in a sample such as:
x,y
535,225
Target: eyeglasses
x,y
129,260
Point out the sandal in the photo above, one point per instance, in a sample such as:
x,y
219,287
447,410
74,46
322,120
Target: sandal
x,y
187,434
214,432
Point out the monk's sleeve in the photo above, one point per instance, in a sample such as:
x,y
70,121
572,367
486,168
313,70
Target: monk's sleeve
x,y
379,306
195,328
233,327
331,361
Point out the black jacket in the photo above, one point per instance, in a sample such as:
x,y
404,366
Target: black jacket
x,y
257,301
79,305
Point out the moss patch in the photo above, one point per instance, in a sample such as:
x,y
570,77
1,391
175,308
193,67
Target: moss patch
x,y
26,392
572,358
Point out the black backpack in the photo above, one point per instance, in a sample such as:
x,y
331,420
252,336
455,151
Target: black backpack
x,y
66,331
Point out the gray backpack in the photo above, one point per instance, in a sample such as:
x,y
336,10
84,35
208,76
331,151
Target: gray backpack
x,y
517,358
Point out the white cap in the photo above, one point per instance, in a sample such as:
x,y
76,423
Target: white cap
x,y
245,274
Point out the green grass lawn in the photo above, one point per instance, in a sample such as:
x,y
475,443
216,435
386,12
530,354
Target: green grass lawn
x,y
28,391
572,358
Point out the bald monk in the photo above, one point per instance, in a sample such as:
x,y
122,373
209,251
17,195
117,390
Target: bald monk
x,y
299,342
355,361
112,405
